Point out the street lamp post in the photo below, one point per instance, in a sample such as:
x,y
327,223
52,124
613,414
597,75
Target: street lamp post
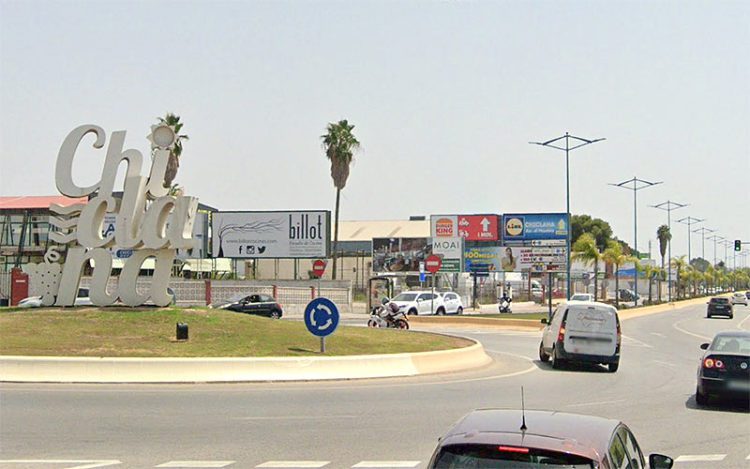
x,y
689,221
703,230
715,238
578,142
633,184
669,206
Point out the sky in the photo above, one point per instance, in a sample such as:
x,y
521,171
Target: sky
x,y
445,97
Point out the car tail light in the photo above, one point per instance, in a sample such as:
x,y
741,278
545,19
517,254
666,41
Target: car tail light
x,y
513,449
561,334
619,333
713,363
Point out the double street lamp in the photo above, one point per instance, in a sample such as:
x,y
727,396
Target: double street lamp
x,y
635,185
689,221
578,142
669,206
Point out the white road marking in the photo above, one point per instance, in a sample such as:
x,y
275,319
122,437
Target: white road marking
x,y
298,417
80,464
663,363
387,464
596,403
748,457
289,464
739,326
636,342
677,326
701,458
196,464
658,334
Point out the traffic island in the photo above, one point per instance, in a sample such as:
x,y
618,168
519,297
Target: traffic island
x,y
122,345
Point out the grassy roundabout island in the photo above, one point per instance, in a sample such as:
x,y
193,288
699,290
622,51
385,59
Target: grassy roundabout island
x,y
150,332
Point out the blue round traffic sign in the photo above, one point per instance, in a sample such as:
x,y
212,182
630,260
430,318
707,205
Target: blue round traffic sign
x,y
321,317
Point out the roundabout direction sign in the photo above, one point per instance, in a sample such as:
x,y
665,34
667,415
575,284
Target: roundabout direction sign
x,y
321,319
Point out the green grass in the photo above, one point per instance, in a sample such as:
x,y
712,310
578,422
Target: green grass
x,y
125,332
530,316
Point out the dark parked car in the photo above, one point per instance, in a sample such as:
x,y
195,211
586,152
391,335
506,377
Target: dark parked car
x,y
497,438
257,303
719,306
725,367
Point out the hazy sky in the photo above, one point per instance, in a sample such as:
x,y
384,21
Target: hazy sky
x,y
445,97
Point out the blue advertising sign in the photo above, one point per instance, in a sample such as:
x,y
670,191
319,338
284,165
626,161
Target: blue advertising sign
x,y
482,259
535,226
321,317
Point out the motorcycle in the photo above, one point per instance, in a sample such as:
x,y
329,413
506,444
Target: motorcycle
x,y
504,305
381,316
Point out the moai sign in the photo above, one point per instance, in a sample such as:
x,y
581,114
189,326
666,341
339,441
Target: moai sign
x,y
141,221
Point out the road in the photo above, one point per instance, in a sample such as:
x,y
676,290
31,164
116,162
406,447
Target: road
x,y
346,424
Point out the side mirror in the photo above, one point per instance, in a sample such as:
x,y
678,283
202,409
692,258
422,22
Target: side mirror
x,y
544,320
659,461
705,346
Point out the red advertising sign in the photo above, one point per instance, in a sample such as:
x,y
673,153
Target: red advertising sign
x,y
433,263
319,267
469,227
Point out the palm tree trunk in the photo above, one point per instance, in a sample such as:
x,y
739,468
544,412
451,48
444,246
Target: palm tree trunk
x,y
596,280
617,286
336,232
650,286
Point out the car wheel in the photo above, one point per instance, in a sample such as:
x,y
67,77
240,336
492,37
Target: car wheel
x,y
372,323
612,367
412,312
708,316
401,324
460,310
556,362
700,398
440,311
542,356
275,314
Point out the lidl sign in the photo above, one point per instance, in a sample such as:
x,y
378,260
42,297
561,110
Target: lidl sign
x,y
535,226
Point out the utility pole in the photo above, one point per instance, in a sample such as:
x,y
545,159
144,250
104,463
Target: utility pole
x,y
715,238
703,230
689,221
669,206
578,142
635,185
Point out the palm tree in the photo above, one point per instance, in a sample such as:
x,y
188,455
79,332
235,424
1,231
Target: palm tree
x,y
175,152
663,234
339,144
586,251
615,256
679,263
710,277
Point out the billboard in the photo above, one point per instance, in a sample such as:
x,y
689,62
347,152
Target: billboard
x,y
256,235
451,250
399,254
532,259
518,228
468,227
482,259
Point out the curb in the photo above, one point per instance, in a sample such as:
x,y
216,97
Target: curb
x,y
214,370
474,321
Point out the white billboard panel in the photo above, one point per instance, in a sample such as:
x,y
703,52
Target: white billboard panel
x,y
449,248
256,235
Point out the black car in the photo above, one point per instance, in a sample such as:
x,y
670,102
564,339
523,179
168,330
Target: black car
x,y
725,367
256,303
720,306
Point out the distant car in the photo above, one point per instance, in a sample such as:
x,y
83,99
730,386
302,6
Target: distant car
x,y
256,303
419,302
739,298
747,294
719,306
724,371
582,297
452,302
627,295
585,332
496,438
82,299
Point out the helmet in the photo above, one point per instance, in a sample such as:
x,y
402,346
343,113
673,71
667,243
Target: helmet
x,y
393,307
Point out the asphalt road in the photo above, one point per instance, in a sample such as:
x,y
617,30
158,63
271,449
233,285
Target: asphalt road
x,y
349,423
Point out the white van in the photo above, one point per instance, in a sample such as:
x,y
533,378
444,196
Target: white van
x,y
582,331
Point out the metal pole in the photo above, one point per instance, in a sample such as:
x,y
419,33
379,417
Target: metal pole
x,y
432,296
567,209
549,296
669,256
322,345
635,241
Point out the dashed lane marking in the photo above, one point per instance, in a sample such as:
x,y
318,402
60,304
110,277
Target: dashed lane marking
x,y
658,334
584,404
374,464
700,457
290,464
79,463
196,464
636,342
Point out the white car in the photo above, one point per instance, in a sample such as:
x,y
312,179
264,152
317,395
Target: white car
x,y
453,303
582,297
739,298
82,299
419,302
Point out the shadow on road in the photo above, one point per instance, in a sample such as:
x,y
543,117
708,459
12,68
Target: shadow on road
x,y
736,405
583,367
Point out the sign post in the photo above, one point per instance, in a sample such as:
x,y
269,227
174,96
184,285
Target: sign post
x,y
433,263
319,268
321,319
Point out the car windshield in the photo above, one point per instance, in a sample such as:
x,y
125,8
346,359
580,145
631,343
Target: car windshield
x,y
406,297
580,297
729,343
719,300
501,457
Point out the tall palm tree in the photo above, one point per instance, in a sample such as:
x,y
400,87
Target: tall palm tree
x,y
649,271
339,144
615,256
663,234
586,251
173,164
679,263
